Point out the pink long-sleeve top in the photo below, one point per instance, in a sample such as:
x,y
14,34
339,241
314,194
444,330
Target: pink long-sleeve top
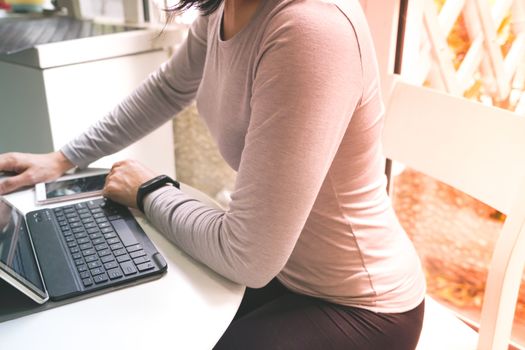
x,y
293,103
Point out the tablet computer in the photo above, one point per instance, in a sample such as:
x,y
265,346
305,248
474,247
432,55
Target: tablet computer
x,y
18,265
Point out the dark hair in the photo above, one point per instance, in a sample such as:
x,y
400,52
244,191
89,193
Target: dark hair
x,y
206,7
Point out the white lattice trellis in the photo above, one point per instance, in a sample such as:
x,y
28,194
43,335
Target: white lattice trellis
x,y
502,76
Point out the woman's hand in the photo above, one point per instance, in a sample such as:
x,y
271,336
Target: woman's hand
x,y
124,180
31,169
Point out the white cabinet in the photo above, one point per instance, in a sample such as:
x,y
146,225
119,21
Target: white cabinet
x,y
50,94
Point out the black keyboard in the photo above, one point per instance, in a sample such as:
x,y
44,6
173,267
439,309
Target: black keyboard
x,y
101,243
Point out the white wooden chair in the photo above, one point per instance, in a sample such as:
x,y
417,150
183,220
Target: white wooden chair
x,y
479,150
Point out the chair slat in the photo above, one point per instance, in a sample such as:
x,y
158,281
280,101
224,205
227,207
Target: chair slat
x,y
424,127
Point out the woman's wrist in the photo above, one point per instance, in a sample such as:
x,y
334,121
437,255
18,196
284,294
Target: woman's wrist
x,y
63,163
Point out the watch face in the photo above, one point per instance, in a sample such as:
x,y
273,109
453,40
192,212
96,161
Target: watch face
x,y
151,181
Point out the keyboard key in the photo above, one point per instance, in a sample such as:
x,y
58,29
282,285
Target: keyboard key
x,y
100,278
80,235
128,268
101,246
88,252
110,234
94,264
83,240
87,220
93,230
80,205
92,204
113,240
104,252
134,248
107,230
78,230
98,241
74,250
137,254
97,271
115,273
114,217
82,268
95,235
140,260
87,282
119,252
67,233
72,244
101,220
122,258
79,262
85,275
77,256
111,265
145,267
91,258
86,246
109,207
116,246
104,225
107,258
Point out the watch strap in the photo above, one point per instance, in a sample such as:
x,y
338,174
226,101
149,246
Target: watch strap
x,y
151,186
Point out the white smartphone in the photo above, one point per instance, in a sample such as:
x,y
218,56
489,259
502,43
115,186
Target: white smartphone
x,y
71,187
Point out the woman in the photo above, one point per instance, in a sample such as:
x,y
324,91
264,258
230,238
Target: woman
x,y
290,91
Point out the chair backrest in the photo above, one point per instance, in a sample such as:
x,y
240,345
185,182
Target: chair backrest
x,y
479,150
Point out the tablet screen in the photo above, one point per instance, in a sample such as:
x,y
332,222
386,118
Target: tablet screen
x,y
75,186
17,256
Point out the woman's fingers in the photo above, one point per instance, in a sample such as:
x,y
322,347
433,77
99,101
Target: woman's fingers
x,y
31,168
11,162
13,183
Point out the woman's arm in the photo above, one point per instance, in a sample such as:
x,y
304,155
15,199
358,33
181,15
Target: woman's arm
x,y
163,94
308,83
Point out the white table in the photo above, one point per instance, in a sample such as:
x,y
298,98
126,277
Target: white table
x,y
188,308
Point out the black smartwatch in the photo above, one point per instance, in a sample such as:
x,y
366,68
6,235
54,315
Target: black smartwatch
x,y
152,185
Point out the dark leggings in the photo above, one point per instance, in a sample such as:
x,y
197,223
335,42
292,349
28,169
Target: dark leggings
x,y
274,318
